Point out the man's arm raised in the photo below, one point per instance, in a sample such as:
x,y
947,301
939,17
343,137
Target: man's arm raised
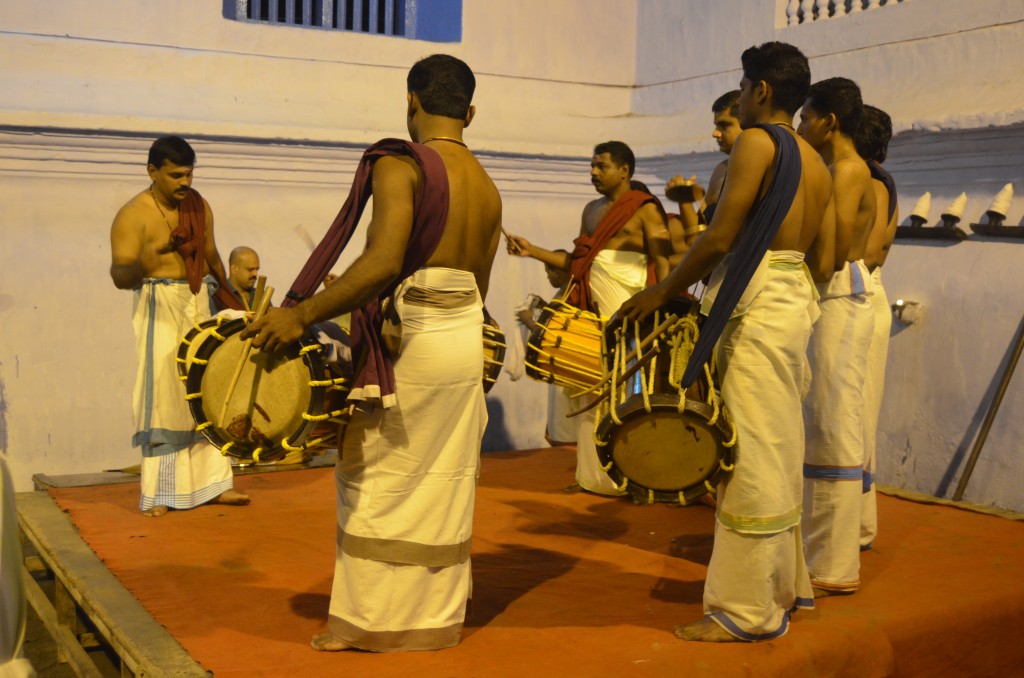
x,y
751,157
394,184
657,240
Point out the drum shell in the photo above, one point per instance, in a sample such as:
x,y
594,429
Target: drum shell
x,y
565,347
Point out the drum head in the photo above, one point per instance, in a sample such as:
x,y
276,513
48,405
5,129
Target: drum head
x,y
664,452
271,395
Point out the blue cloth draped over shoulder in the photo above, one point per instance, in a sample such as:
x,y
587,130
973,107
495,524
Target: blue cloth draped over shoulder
x,y
890,185
749,249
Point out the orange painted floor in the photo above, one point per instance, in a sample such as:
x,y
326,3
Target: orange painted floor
x,y
564,585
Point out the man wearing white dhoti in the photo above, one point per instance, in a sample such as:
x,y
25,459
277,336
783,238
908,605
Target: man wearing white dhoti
x,y
406,477
838,354
623,243
163,248
873,145
768,220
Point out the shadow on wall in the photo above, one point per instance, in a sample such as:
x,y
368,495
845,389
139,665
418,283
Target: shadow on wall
x,y
496,436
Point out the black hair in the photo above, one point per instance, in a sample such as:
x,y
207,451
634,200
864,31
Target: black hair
x,y
620,153
872,140
784,68
729,101
840,97
172,148
443,84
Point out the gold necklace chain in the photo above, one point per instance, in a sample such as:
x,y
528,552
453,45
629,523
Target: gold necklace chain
x,y
162,213
460,142
784,124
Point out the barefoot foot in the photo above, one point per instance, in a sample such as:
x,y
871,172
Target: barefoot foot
x,y
155,512
704,630
824,593
232,498
325,642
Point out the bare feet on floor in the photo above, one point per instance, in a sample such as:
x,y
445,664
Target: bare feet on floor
x,y
232,498
325,642
155,512
824,593
705,631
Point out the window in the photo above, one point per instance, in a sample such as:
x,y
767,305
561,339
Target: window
x,y
431,20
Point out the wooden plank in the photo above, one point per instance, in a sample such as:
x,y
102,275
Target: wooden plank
x,y
67,645
144,646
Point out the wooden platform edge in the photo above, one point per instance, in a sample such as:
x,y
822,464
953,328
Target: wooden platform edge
x,y
145,647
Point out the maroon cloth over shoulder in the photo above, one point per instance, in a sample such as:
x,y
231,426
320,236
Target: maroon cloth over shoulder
x,y
189,241
588,246
430,213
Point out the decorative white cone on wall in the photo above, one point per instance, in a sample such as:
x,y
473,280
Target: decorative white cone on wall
x,y
922,207
1001,203
956,208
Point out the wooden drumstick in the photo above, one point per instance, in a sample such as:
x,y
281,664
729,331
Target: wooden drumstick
x,y
257,297
246,348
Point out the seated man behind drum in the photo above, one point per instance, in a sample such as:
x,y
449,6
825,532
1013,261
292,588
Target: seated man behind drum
x,y
162,246
621,234
757,574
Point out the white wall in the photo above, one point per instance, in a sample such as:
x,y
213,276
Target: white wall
x,y
279,116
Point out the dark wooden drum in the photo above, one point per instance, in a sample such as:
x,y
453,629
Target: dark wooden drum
x,y
657,441
282,402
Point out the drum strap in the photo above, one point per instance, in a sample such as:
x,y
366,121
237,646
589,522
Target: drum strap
x,y
755,238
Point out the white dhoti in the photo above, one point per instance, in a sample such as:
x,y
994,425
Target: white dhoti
x,y
561,430
834,412
180,468
615,276
757,575
406,479
874,388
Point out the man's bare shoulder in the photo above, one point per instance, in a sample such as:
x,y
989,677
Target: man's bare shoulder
x,y
135,211
851,170
753,146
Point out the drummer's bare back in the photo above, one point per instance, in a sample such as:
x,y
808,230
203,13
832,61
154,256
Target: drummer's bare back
x,y
474,216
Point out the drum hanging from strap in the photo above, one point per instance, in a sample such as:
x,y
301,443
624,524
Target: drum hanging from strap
x,y
283,401
657,441
565,348
494,353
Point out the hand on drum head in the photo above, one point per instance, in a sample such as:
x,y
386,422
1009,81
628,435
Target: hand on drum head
x,y
642,304
278,328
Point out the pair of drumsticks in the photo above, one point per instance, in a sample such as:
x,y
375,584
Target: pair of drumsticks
x,y
261,300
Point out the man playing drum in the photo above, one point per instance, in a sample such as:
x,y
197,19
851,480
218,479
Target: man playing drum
x,y
757,575
621,235
162,247
407,471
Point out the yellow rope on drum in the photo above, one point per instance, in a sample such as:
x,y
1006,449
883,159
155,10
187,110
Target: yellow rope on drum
x,y
622,487
227,446
205,424
709,486
256,454
312,347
